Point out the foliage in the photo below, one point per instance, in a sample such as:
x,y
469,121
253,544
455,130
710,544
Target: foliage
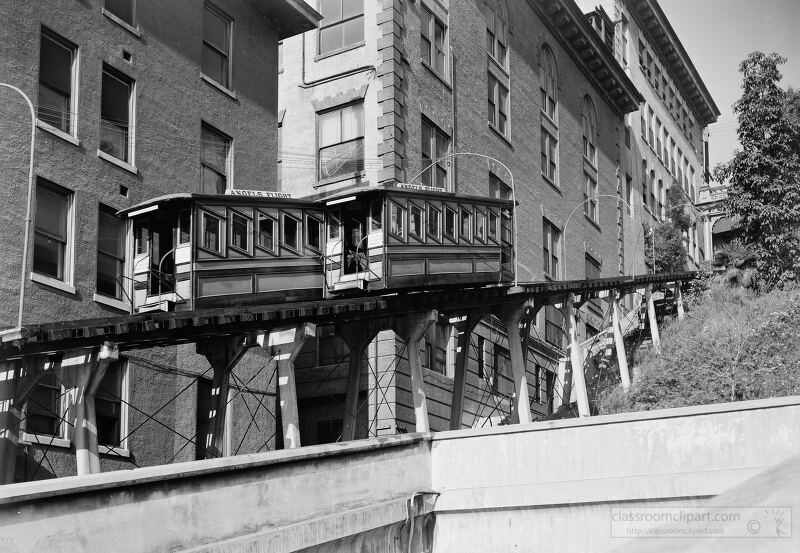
x,y
764,175
737,259
670,253
676,207
733,345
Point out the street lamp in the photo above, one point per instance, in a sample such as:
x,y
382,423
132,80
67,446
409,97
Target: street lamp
x,y
30,196
513,197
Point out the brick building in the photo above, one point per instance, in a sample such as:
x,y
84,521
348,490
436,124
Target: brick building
x,y
133,100
386,88
666,133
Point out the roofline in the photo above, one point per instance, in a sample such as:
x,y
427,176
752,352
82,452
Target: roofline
x,y
685,59
294,17
575,33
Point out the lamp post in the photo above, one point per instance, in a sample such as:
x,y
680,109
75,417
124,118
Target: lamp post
x,y
30,197
513,196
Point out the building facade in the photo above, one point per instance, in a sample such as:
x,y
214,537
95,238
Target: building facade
x,y
481,97
665,137
132,100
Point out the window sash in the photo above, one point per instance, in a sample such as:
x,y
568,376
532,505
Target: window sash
x,y
397,221
266,233
240,231
115,115
415,221
212,230
434,219
290,232
216,45
549,166
56,81
434,142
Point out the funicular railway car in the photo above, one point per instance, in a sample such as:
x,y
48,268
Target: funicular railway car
x,y
193,251
394,237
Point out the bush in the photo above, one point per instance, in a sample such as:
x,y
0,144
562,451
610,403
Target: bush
x,y
733,345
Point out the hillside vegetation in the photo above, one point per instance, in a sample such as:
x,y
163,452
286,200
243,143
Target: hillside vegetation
x,y
733,345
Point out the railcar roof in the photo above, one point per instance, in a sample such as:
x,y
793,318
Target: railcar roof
x,y
229,198
401,188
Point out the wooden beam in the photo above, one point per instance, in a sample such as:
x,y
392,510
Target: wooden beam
x,y
412,329
512,316
619,341
651,313
464,329
576,357
679,300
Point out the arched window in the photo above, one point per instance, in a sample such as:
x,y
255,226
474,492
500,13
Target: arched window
x,y
661,212
497,31
589,117
548,82
653,192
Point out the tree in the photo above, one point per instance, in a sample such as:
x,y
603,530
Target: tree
x,y
764,175
669,252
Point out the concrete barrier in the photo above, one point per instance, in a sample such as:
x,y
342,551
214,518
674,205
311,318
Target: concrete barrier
x,y
535,487
551,486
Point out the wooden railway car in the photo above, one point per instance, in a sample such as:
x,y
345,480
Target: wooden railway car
x,y
398,237
194,251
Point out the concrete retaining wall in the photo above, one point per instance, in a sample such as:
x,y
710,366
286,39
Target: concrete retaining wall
x,y
551,486
539,487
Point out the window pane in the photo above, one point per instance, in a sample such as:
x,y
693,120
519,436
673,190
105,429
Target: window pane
x,y
122,9
54,108
211,226
51,212
450,222
215,65
313,232
110,235
215,30
433,221
342,159
466,224
266,233
442,145
427,140
480,225
212,182
48,256
415,221
240,231
353,31
352,122
109,269
329,128
290,232
425,47
331,11
351,8
377,214
214,150
441,177
55,65
115,115
330,38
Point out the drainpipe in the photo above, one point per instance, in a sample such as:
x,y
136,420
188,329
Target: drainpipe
x,y
28,209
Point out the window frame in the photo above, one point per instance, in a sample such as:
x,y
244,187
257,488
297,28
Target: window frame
x,y
551,248
429,24
232,213
299,241
60,437
548,84
452,236
499,105
589,120
118,18
260,215
221,238
591,208
493,38
430,165
493,226
339,22
130,147
361,162
549,153
414,207
228,56
67,278
228,174
73,104
307,217
430,210
104,209
401,220
123,375
462,211
480,237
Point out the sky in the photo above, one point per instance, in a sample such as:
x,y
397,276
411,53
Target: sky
x,y
718,35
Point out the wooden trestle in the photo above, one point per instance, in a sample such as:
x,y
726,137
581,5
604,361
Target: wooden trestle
x,y
80,350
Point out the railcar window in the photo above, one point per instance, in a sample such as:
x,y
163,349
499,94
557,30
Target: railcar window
x,y
211,232
450,223
184,226
415,221
240,232
434,223
376,214
493,225
397,221
466,225
505,226
291,232
266,233
334,221
480,226
313,232
142,244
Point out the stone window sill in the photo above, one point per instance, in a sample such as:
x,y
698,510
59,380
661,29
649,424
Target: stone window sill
x,y
58,132
47,441
225,90
118,162
339,50
53,283
115,451
128,27
112,302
